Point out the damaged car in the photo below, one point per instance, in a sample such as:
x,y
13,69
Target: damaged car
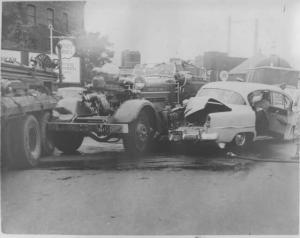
x,y
236,114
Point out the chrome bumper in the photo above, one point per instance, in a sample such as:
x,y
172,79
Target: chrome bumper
x,y
102,128
191,134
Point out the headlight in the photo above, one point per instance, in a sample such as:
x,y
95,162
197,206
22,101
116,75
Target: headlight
x,y
139,83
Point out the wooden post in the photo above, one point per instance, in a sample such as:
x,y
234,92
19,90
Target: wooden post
x,y
51,39
229,35
60,76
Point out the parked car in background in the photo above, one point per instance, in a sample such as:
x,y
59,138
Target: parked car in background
x,y
236,113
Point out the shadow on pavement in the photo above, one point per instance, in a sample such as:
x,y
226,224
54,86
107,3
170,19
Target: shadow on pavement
x,y
204,156
192,157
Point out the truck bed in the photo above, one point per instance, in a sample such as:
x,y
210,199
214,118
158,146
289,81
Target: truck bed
x,y
17,106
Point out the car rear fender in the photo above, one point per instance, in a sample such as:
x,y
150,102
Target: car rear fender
x,y
229,124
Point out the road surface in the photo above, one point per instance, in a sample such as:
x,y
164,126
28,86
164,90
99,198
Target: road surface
x,y
99,191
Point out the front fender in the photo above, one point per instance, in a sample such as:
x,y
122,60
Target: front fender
x,y
129,110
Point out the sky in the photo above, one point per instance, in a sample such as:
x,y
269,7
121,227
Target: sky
x,y
162,29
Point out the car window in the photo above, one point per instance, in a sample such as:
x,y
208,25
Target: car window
x,y
279,100
263,94
223,95
287,102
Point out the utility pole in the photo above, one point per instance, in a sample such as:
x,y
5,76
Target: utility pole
x,y
255,49
229,35
51,39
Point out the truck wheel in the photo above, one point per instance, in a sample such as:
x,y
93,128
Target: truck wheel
x,y
67,142
9,143
30,145
138,139
47,144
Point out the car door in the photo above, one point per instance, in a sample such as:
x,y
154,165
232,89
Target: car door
x,y
280,115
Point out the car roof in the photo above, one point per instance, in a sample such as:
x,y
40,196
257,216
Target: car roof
x,y
244,88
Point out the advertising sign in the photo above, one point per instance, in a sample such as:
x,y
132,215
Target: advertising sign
x,y
70,68
67,49
223,75
11,56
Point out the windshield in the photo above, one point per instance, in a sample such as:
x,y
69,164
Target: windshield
x,y
223,95
154,70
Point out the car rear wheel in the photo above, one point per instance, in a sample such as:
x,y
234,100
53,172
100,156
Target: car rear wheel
x,y
241,141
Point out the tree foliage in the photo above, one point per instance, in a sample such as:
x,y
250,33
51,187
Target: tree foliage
x,y
94,50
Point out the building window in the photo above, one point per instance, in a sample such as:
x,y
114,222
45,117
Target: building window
x,y
31,14
50,16
65,22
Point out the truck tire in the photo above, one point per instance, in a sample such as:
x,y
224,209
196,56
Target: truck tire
x,y
30,143
4,144
139,139
8,142
47,144
67,142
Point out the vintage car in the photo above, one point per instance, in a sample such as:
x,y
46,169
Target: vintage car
x,y
236,113
153,77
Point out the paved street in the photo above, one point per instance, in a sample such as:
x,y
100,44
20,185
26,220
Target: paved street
x,y
100,191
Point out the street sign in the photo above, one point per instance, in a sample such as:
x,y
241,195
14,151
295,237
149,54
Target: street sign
x,y
223,75
67,49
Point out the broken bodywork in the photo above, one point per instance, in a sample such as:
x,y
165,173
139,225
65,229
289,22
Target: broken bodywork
x,y
208,119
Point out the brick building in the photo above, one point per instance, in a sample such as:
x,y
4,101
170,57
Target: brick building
x,y
25,24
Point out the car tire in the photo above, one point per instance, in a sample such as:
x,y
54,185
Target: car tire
x,y
241,141
67,142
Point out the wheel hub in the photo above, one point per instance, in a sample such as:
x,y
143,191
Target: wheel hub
x,y
142,132
240,139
